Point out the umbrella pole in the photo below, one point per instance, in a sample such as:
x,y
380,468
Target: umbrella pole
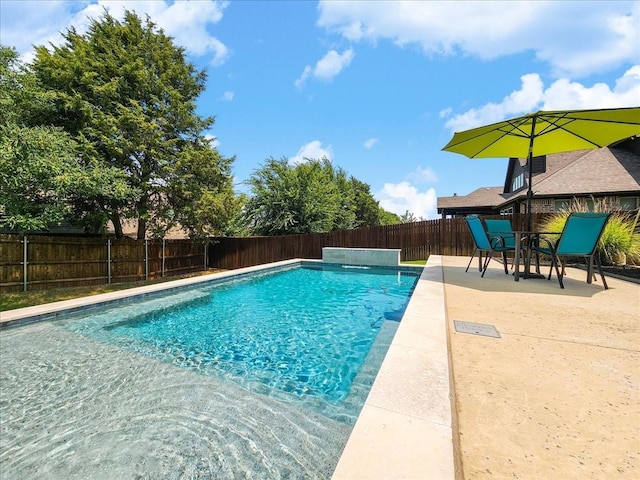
x,y
530,165
529,195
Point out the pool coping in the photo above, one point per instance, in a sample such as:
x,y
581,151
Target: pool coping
x,y
50,311
405,427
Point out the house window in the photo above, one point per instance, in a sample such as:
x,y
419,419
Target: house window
x,y
560,205
629,203
517,183
507,211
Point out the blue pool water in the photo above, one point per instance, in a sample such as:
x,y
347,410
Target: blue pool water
x,y
259,376
305,330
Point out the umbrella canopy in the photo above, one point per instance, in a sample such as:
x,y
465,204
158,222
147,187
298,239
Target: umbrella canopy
x,y
547,132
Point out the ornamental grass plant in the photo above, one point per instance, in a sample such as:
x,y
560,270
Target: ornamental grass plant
x,y
620,241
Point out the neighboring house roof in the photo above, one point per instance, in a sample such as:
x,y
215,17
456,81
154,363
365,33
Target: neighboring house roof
x,y
480,197
130,229
607,170
586,172
485,196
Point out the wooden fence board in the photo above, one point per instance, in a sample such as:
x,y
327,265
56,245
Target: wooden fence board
x,y
57,261
416,240
69,261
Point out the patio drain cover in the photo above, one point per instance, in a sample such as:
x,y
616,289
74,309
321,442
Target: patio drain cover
x,y
476,329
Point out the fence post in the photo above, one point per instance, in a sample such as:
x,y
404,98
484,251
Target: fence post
x,y
205,255
163,244
146,259
24,264
109,261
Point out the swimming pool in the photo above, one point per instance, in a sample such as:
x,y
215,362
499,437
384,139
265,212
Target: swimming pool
x,y
80,401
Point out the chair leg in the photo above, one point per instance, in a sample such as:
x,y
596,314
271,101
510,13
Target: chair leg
x,y
486,264
505,262
471,259
604,282
554,263
590,274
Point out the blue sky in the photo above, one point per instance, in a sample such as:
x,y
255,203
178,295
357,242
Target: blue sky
x,y
377,87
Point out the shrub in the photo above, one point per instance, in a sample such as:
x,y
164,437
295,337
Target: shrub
x,y
618,239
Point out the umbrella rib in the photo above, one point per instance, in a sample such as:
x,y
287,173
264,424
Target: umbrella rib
x,y
505,131
554,125
504,134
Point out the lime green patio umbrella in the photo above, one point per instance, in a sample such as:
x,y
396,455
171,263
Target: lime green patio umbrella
x,y
547,132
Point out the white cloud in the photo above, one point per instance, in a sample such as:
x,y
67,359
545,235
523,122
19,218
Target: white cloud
x,y
327,67
312,151
444,113
400,197
228,96
560,95
423,175
368,144
24,24
575,38
214,142
303,78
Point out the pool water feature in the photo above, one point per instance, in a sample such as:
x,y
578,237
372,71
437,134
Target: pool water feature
x,y
270,382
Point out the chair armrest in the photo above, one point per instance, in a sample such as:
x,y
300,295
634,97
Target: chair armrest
x,y
551,245
496,241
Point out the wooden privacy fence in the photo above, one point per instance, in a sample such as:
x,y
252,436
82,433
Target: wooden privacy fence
x,y
37,262
416,240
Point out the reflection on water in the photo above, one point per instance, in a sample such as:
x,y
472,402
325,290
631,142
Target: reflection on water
x,y
254,397
75,408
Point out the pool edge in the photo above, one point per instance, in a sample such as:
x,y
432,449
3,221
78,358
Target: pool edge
x,y
50,311
405,429
397,434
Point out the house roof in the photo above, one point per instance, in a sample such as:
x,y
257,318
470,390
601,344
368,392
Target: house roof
x,y
485,196
602,171
608,170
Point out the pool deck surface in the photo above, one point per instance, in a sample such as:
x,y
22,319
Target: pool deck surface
x,y
555,396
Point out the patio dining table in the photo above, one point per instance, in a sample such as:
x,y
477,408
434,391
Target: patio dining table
x,y
528,238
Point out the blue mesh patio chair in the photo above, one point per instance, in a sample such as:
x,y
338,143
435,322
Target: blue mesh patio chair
x,y
500,232
484,245
579,238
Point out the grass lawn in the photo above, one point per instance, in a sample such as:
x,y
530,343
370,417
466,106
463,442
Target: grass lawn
x,y
9,301
414,262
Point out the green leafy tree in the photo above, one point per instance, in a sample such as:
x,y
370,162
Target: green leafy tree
x,y
309,197
198,194
388,218
408,217
127,95
367,209
288,199
345,217
40,172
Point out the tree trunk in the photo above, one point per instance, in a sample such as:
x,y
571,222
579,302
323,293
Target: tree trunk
x,y
117,225
142,228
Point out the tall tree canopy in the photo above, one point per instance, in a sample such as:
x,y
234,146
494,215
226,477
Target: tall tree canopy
x,y
127,96
41,176
309,197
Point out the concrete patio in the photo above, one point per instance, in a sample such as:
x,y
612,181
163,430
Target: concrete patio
x,y
557,396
